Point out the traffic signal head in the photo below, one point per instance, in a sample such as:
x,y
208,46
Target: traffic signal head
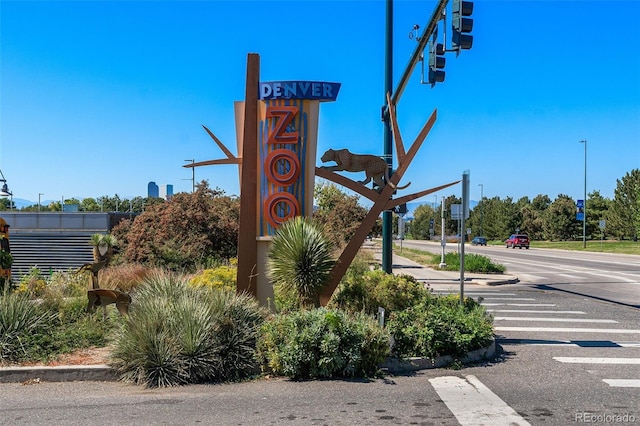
x,y
437,62
462,25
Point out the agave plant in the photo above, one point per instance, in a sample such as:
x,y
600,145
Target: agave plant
x,y
300,260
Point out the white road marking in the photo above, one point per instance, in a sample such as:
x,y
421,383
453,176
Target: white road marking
x,y
623,383
586,360
473,404
529,311
601,321
606,343
508,298
569,330
518,304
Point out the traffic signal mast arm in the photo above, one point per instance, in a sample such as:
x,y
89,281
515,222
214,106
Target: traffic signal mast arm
x,y
417,53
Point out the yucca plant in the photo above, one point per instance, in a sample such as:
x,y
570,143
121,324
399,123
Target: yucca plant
x,y
20,318
103,243
300,260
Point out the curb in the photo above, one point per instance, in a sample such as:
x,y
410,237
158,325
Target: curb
x,y
104,373
399,366
514,280
64,373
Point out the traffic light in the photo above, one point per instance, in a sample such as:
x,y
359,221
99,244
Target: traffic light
x,y
436,62
461,39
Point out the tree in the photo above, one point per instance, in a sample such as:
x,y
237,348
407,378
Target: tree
x,y
597,211
188,231
623,218
532,215
300,260
339,213
422,217
560,219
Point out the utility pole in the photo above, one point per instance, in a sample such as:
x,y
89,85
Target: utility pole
x,y
481,208
387,218
584,205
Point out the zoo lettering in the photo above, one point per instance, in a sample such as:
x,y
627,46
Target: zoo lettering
x,y
281,200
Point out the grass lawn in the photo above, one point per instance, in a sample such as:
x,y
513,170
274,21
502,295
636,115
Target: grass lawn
x,y
607,246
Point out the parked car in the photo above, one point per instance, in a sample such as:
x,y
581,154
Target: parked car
x,y
518,240
479,241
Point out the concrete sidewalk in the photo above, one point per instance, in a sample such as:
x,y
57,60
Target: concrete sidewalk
x,y
439,278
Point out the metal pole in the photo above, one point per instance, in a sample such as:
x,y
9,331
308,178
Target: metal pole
x,y
193,176
463,236
584,205
443,239
39,194
387,223
481,208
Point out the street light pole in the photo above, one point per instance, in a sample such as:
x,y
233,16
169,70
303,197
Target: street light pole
x,y
481,208
584,206
39,194
193,176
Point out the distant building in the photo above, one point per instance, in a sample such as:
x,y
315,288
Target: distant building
x,y
166,191
153,190
162,191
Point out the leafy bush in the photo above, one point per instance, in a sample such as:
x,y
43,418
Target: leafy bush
x,y
365,290
472,263
178,334
322,343
220,278
440,325
33,284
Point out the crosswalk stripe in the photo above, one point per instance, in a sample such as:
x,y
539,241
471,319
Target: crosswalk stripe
x,y
587,360
530,311
472,403
519,304
508,298
600,321
572,343
623,383
569,330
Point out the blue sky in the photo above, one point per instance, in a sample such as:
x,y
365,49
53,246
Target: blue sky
x,y
99,98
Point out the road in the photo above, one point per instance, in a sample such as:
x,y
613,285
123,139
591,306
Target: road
x,y
601,276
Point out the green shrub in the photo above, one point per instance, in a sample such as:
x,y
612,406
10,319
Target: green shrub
x,y
365,291
33,284
177,334
221,278
440,325
20,319
472,263
322,343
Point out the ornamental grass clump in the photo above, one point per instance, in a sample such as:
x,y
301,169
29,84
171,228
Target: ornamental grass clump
x,y
178,334
322,343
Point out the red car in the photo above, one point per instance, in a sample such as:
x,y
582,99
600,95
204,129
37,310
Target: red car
x,y
518,240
